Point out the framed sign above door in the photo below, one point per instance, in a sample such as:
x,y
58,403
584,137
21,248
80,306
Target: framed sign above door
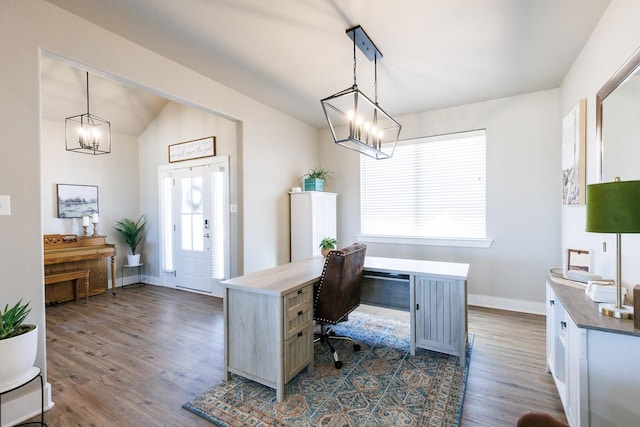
x,y
195,149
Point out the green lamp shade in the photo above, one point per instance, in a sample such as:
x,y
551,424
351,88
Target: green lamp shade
x,y
614,207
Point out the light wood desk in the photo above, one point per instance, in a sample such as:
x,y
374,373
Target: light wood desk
x,y
269,315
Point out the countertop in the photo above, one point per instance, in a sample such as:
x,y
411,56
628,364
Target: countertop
x,y
584,312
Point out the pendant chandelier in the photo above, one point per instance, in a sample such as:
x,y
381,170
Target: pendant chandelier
x,y
357,122
87,133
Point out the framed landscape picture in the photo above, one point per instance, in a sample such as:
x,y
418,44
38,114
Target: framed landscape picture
x,y
76,201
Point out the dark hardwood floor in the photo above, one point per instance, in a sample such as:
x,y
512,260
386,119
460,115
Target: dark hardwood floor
x,y
134,359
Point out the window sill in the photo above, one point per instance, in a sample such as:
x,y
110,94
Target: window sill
x,y
426,241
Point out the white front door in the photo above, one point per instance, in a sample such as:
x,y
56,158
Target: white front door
x,y
192,211
195,231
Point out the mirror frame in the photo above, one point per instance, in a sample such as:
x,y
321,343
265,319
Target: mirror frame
x,y
628,68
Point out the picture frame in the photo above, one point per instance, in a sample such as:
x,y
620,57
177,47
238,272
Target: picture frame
x,y
194,149
574,137
77,200
578,259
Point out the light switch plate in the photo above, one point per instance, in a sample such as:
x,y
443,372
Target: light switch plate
x,y
5,205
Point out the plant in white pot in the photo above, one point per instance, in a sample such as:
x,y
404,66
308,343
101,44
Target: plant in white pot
x,y
133,233
18,345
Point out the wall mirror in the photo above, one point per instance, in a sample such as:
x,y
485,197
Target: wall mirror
x,y
618,123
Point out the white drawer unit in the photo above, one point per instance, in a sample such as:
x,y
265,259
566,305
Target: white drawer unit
x,y
592,359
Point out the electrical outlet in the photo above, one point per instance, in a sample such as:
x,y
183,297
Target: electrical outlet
x,y
5,205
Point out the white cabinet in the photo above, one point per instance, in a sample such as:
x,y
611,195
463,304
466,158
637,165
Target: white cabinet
x,y
592,359
313,217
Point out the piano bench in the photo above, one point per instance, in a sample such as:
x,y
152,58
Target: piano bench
x,y
76,276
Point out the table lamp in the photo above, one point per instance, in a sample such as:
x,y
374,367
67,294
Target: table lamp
x,y
614,207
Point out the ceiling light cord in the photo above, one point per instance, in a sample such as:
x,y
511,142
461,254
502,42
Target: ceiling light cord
x,y
375,79
354,63
87,93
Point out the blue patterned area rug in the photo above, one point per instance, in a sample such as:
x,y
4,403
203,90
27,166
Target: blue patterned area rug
x,y
380,385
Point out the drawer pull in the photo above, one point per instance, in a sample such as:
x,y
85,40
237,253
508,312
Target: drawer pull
x,y
551,302
300,291
300,313
563,325
300,334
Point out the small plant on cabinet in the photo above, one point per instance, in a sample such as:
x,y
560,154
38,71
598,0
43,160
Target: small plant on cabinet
x,y
316,179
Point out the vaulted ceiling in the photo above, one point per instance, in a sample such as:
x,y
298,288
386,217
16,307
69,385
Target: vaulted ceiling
x,y
291,53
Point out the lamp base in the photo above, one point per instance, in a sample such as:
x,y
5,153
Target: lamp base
x,y
624,312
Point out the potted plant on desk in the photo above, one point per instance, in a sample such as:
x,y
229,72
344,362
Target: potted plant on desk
x,y
18,344
133,233
327,244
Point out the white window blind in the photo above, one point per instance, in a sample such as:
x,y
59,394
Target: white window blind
x,y
431,187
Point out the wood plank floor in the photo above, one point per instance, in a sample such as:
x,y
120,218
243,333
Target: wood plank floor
x,y
134,359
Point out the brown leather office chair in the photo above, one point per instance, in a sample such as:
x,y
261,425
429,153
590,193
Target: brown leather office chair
x,y
539,419
338,293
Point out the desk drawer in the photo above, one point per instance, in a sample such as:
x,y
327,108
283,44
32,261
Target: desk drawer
x,y
298,352
298,311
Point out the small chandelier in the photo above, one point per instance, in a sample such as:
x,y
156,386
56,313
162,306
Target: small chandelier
x,y
87,133
357,122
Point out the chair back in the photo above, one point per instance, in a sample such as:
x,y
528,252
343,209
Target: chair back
x,y
340,287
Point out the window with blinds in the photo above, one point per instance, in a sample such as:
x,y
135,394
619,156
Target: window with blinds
x,y
432,187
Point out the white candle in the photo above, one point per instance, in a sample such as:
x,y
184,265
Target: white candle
x,y
85,221
94,218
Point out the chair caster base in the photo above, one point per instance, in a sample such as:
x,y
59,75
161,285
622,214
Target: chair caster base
x,y
356,347
337,364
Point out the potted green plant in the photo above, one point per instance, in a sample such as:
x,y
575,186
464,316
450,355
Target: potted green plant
x,y
133,233
316,179
18,344
327,244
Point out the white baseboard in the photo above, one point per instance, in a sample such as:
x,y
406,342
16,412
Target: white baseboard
x,y
24,406
507,304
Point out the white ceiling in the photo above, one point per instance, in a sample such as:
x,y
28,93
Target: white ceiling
x,y
291,53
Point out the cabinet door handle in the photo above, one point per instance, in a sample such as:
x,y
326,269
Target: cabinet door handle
x,y
300,334
552,302
563,324
300,313
417,306
300,291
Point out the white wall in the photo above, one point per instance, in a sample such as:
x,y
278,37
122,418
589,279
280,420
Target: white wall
x,y
115,174
614,40
275,149
523,196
